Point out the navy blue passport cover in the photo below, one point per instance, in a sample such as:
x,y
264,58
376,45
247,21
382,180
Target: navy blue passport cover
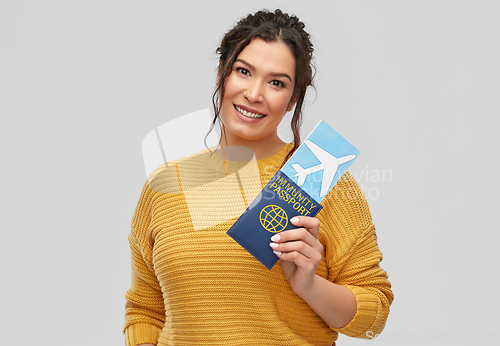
x,y
270,213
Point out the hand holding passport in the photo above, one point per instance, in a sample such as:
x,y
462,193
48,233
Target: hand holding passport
x,y
296,189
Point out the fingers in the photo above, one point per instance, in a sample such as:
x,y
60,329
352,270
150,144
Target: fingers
x,y
295,240
309,223
307,231
295,248
308,264
303,241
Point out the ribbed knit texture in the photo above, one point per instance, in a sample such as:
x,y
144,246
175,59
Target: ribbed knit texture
x,y
197,286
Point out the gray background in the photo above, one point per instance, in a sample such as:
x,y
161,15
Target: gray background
x,y
413,84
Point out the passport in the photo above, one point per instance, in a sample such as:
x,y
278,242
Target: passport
x,y
296,189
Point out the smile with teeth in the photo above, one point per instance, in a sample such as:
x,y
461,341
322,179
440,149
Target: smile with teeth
x,y
249,114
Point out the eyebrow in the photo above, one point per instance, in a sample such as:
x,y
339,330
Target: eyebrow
x,y
274,74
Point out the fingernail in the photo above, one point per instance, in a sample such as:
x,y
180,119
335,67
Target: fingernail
x,y
294,219
275,237
277,253
273,245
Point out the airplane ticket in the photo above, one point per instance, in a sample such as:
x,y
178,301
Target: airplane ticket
x,y
320,161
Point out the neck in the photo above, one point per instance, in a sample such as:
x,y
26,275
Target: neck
x,y
261,148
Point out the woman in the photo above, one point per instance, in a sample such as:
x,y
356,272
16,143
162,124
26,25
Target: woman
x,y
197,286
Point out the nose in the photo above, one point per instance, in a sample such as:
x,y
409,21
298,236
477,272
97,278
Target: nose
x,y
254,92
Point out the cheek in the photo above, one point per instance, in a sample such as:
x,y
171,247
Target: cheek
x,y
280,103
232,86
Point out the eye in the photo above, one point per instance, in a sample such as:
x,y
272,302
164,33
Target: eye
x,y
243,71
277,83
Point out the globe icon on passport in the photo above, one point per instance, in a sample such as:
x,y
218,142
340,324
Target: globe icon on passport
x,y
273,218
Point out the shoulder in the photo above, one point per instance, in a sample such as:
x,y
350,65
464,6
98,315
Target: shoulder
x,y
345,208
167,181
166,178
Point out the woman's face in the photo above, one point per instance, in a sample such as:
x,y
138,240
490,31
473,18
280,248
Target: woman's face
x,y
258,92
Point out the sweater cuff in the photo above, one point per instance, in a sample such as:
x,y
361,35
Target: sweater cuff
x,y
141,333
367,313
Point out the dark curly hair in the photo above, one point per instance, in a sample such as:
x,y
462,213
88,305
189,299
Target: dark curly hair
x,y
271,27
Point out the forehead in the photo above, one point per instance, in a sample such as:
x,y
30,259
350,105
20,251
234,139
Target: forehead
x,y
269,57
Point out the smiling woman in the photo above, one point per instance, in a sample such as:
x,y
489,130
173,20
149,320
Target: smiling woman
x,y
257,94
277,30
196,285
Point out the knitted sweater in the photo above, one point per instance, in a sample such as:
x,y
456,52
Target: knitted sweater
x,y
192,284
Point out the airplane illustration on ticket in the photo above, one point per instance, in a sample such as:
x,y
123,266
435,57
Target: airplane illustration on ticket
x,y
320,161
328,165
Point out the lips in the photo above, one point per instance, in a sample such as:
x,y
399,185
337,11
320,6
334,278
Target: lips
x,y
249,113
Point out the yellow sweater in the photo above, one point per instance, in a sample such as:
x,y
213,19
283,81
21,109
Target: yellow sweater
x,y
192,284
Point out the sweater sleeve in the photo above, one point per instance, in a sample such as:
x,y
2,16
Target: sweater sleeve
x,y
144,307
355,260
369,283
